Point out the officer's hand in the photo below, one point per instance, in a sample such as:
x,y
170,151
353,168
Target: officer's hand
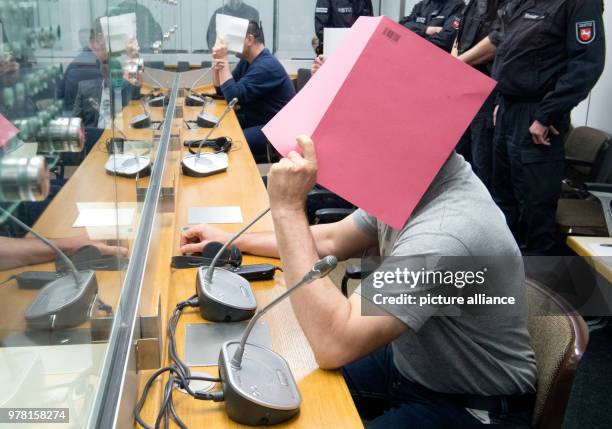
x,y
539,133
318,62
433,30
194,239
291,179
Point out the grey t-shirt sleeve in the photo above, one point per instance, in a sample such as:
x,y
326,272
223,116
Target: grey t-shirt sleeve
x,y
418,253
365,222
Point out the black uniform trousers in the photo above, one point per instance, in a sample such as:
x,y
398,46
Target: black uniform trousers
x,y
527,177
476,144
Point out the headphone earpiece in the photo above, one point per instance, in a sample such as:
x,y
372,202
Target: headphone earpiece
x,y
231,256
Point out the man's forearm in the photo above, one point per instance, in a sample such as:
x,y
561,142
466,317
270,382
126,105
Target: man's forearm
x,y
216,80
483,52
19,252
225,74
319,307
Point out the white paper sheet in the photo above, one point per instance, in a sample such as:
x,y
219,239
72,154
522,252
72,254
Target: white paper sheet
x,y
599,250
224,215
332,38
233,31
103,214
118,30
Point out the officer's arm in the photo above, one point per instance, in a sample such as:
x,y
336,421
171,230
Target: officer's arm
x,y
482,52
445,38
410,21
322,14
585,66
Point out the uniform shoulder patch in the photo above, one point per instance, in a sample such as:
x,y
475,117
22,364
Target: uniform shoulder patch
x,y
456,22
585,32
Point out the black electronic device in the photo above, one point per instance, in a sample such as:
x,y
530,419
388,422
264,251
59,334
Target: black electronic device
x,y
231,257
214,96
90,258
218,145
223,295
36,279
258,386
159,101
207,120
198,164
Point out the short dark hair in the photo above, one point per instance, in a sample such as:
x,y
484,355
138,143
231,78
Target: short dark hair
x,y
96,29
256,31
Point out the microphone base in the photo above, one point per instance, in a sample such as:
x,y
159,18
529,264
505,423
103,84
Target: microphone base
x,y
194,100
160,101
207,164
141,121
262,391
228,298
62,304
130,166
206,120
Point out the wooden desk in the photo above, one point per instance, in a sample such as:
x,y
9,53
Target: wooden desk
x,y
326,400
584,246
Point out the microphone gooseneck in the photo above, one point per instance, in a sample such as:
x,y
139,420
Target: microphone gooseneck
x,y
206,73
211,269
228,109
320,269
49,243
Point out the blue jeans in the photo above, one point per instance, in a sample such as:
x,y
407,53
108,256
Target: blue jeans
x,y
387,400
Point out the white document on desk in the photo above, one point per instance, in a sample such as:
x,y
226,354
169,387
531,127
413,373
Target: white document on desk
x,y
104,214
332,38
223,215
600,251
118,30
233,31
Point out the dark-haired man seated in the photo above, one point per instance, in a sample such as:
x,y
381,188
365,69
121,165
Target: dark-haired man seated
x,y
421,369
259,82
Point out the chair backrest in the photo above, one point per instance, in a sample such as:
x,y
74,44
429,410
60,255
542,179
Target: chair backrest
x,y
303,76
182,66
588,144
559,338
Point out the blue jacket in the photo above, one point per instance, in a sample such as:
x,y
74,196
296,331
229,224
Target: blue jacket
x,y
262,88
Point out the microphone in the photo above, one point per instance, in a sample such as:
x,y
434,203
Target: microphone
x,y
195,100
258,386
223,295
207,120
161,100
228,109
143,120
197,165
65,302
121,164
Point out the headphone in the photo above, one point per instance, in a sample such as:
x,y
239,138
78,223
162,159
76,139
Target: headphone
x,y
218,145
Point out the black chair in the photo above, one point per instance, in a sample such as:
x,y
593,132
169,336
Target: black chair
x,y
303,76
206,64
323,206
183,66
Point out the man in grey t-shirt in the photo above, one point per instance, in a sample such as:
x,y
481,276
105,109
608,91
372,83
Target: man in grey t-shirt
x,y
422,366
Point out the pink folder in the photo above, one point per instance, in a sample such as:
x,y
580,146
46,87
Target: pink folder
x,y
7,131
385,111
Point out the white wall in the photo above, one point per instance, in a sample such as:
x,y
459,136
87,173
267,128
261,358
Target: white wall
x,y
596,111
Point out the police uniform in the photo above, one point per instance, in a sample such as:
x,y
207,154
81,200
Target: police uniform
x,y
339,14
479,20
551,55
436,13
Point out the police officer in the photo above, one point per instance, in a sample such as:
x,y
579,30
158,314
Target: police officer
x,y
338,14
436,21
551,55
474,46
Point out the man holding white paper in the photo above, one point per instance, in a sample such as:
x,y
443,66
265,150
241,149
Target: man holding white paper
x,y
236,8
259,82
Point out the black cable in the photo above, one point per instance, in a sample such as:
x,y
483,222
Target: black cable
x,y
8,280
180,375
